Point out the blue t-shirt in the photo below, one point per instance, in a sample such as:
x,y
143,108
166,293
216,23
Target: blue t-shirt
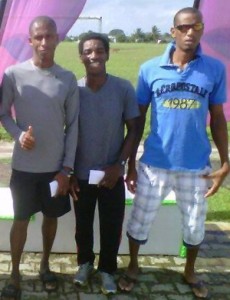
x,y
179,108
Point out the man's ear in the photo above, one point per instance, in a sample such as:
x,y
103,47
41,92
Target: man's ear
x,y
80,56
172,30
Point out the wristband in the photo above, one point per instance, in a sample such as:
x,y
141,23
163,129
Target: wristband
x,y
122,162
66,172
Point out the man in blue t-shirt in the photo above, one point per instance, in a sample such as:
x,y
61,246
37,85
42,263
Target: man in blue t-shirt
x,y
182,86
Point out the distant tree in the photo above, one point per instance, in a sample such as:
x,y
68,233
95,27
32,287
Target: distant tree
x,y
118,35
116,32
90,31
121,38
69,38
138,36
148,37
156,33
166,37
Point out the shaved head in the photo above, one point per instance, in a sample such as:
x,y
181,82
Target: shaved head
x,y
187,10
42,20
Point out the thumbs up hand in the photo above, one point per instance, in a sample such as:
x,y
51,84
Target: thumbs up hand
x,y
30,130
27,141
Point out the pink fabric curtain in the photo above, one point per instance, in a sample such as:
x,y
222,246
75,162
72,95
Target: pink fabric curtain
x,y
216,39
18,14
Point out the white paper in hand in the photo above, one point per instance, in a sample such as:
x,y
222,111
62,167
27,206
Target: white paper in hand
x,y
53,188
95,176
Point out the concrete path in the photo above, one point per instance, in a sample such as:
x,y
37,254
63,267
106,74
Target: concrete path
x,y
160,276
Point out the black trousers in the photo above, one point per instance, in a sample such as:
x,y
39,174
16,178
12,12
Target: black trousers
x,y
111,207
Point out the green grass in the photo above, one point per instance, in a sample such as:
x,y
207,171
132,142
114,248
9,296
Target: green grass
x,y
4,136
125,60
219,206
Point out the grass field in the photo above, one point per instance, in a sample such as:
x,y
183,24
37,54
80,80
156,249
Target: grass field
x,y
219,206
125,60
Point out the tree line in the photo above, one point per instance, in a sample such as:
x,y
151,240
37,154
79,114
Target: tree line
x,y
139,36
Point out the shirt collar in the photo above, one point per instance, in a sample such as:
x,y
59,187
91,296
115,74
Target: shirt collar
x,y
165,58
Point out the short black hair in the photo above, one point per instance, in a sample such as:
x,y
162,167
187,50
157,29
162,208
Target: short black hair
x,y
43,19
185,10
94,36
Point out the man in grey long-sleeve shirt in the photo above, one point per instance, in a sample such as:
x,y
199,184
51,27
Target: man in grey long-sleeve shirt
x,y
46,102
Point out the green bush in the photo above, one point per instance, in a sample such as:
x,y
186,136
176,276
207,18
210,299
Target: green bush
x,y
4,136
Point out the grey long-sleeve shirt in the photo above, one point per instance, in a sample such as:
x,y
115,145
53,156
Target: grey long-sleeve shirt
x,y
48,100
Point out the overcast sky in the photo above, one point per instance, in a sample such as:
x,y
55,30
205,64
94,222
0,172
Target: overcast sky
x,y
128,15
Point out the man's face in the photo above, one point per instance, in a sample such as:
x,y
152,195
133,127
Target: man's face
x,y
187,37
43,39
94,56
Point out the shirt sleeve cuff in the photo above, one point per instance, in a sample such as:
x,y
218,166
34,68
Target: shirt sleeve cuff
x,y
21,136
